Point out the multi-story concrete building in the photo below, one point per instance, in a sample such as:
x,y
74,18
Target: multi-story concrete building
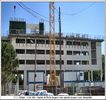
x,y
80,55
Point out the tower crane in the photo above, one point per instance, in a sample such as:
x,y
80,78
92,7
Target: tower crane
x,y
53,80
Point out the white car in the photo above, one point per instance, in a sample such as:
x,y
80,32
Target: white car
x,y
41,92
21,92
63,94
48,94
32,93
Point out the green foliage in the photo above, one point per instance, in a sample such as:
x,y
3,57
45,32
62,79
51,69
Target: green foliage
x,y
96,75
9,62
85,76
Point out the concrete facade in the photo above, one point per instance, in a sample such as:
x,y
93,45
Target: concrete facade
x,y
77,58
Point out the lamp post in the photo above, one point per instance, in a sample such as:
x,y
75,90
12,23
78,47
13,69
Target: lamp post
x,y
61,84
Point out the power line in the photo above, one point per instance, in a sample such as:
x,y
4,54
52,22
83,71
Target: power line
x,y
29,11
34,11
80,11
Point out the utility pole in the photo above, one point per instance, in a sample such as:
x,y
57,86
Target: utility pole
x,y
35,65
60,48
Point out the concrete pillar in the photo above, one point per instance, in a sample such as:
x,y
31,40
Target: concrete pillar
x,y
92,83
88,75
91,75
89,81
25,80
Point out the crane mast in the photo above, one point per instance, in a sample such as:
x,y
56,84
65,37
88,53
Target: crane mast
x,y
53,79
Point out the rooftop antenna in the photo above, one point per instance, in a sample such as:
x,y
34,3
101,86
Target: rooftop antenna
x,y
14,11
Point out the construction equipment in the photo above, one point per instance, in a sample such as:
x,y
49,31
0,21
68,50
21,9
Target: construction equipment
x,y
53,80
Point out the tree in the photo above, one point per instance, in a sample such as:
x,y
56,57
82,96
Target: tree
x,y
97,75
9,64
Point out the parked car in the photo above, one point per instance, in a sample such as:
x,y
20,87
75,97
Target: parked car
x,y
21,92
63,94
41,92
32,93
93,90
26,93
48,94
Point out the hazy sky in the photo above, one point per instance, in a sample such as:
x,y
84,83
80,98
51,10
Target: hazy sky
x,y
77,17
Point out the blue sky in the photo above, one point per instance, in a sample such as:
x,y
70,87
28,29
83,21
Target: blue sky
x,y
77,17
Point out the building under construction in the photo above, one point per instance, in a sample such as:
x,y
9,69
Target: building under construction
x,y
80,56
